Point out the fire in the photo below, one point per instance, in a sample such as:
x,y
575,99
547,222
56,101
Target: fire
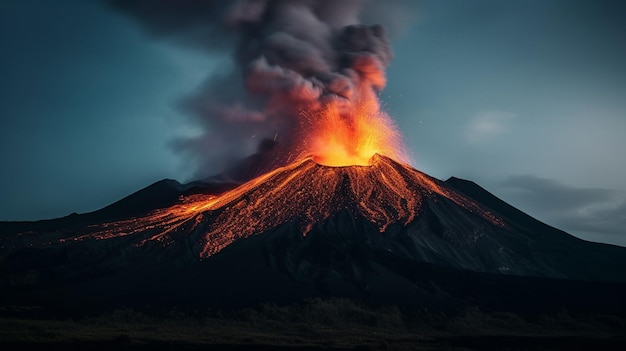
x,y
350,134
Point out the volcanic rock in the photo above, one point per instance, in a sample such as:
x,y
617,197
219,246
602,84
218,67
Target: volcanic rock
x,y
384,232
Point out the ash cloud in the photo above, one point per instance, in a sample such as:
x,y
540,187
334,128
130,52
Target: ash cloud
x,y
288,56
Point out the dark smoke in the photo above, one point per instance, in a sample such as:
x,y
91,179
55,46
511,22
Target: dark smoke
x,y
289,56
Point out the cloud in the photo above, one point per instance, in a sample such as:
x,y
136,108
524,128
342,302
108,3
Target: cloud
x,y
488,125
598,211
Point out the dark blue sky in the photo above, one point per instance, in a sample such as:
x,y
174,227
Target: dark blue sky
x,y
526,98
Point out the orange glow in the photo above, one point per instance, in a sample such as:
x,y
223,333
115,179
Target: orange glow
x,y
351,133
349,158
301,194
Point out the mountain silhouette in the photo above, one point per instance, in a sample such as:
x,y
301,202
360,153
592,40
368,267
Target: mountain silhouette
x,y
384,232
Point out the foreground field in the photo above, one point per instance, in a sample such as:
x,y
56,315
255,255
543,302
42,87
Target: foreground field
x,y
313,325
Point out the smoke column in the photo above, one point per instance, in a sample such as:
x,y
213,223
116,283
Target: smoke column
x,y
292,58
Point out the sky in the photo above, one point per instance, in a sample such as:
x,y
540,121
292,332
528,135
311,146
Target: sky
x,y
525,98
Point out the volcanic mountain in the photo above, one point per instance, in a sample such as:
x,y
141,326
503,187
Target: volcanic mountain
x,y
384,231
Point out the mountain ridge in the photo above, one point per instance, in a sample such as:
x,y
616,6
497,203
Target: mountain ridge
x,y
355,235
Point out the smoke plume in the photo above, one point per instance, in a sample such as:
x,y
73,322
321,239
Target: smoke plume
x,y
290,58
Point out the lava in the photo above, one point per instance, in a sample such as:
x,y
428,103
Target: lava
x,y
350,132
303,193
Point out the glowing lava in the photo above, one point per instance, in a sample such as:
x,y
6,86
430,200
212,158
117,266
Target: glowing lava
x,y
303,193
349,134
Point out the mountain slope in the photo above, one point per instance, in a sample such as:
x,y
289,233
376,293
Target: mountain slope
x,y
385,232
590,259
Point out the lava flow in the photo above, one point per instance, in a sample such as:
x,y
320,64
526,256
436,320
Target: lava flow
x,y
303,193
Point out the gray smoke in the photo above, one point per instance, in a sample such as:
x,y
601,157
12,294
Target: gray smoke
x,y
289,56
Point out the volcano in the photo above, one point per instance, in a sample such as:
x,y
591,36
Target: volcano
x,y
382,231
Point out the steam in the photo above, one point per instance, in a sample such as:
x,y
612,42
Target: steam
x,y
290,58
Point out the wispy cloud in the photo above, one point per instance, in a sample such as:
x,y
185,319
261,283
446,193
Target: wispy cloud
x,y
488,125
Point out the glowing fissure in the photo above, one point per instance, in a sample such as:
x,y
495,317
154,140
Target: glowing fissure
x,y
303,193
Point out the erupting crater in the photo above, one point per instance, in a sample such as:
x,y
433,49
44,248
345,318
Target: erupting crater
x,y
351,134
341,158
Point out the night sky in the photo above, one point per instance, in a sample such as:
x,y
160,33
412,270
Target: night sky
x,y
526,98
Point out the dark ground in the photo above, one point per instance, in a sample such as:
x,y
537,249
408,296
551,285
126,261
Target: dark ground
x,y
316,324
